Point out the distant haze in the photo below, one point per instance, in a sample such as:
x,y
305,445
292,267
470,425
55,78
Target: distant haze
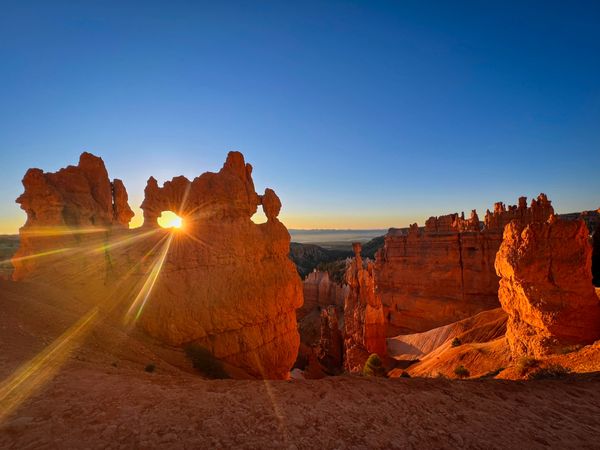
x,y
332,237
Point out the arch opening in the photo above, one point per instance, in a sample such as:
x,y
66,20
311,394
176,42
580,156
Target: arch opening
x,y
168,219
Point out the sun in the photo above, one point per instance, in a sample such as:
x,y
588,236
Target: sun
x,y
168,219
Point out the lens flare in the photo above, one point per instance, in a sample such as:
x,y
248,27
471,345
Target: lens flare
x,y
168,219
34,374
135,310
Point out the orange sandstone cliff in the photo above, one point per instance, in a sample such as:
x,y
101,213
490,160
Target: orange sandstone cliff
x,y
321,291
546,287
364,321
443,273
221,282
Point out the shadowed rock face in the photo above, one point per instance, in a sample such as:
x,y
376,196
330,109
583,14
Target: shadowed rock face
x,y
364,322
69,209
596,255
222,282
431,277
226,283
546,286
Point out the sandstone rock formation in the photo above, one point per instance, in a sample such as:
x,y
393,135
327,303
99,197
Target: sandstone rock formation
x,y
330,350
364,322
75,207
431,277
222,282
546,286
227,284
596,255
320,291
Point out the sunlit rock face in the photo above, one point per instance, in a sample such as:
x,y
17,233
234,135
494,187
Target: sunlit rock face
x,y
320,291
221,281
596,254
546,286
432,276
364,322
77,207
226,283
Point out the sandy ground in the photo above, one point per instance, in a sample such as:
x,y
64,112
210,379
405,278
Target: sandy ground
x,y
66,382
83,407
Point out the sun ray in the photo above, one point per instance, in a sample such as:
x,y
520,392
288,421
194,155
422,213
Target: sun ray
x,y
60,231
135,310
37,255
31,376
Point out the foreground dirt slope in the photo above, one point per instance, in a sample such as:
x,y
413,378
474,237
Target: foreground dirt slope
x,y
84,406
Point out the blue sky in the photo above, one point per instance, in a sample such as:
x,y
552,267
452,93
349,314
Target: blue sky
x,y
359,114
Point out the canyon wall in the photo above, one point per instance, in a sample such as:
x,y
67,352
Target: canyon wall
x,y
221,282
320,291
364,321
596,254
546,287
444,272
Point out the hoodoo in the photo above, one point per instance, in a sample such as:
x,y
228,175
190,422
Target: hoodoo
x,y
227,283
364,322
546,286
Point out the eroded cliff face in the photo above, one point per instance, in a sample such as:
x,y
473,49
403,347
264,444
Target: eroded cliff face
x,y
596,255
546,287
443,273
72,215
222,282
320,291
227,283
364,321
330,349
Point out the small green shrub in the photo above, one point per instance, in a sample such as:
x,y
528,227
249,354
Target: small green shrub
x,y
525,363
550,372
374,366
456,342
204,361
461,371
150,368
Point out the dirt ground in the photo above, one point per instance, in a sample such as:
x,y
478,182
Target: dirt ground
x,y
86,407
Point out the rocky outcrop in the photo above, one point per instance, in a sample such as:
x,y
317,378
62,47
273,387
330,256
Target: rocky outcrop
x,y
596,254
432,276
364,322
76,207
227,284
546,286
221,282
320,291
330,348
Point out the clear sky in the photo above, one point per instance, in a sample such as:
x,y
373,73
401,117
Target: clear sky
x,y
359,114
